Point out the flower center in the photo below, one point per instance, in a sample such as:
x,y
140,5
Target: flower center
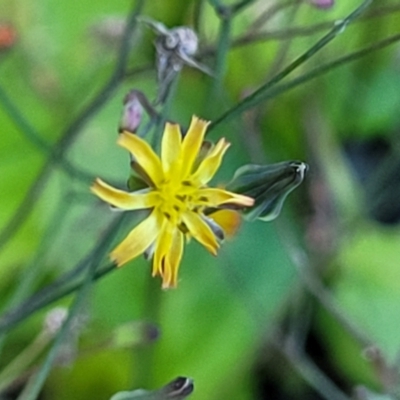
x,y
178,198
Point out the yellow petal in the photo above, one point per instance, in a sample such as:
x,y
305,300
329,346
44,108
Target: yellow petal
x,y
143,154
192,143
173,260
122,199
200,231
214,197
162,246
228,220
171,145
209,166
138,240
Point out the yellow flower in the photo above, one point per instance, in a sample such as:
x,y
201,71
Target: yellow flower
x,y
181,203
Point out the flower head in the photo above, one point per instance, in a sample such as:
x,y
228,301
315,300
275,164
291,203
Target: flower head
x,y
180,202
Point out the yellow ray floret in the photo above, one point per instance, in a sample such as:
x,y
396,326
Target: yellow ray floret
x,y
180,202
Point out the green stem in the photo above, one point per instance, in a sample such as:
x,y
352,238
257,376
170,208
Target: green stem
x,y
35,384
30,272
69,135
34,137
145,355
220,63
325,68
312,375
260,94
14,319
20,363
164,113
240,5
198,15
58,289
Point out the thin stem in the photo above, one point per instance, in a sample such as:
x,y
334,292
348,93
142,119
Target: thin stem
x,y
52,292
285,45
222,53
53,297
74,128
228,11
16,116
30,272
24,359
158,121
145,354
110,87
268,14
219,8
310,372
325,68
25,207
198,13
34,386
34,137
259,95
240,5
314,286
139,70
283,34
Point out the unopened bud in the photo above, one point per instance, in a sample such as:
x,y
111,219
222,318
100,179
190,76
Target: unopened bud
x,y
323,3
179,389
131,113
268,185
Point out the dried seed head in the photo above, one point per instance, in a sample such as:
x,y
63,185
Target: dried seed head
x,y
175,48
183,40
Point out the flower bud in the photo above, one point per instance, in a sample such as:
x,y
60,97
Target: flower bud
x,y
179,389
323,3
132,112
268,185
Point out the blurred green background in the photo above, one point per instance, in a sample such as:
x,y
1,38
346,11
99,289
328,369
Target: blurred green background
x,y
303,307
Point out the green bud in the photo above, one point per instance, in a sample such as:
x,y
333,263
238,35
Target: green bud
x,y
268,185
179,389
